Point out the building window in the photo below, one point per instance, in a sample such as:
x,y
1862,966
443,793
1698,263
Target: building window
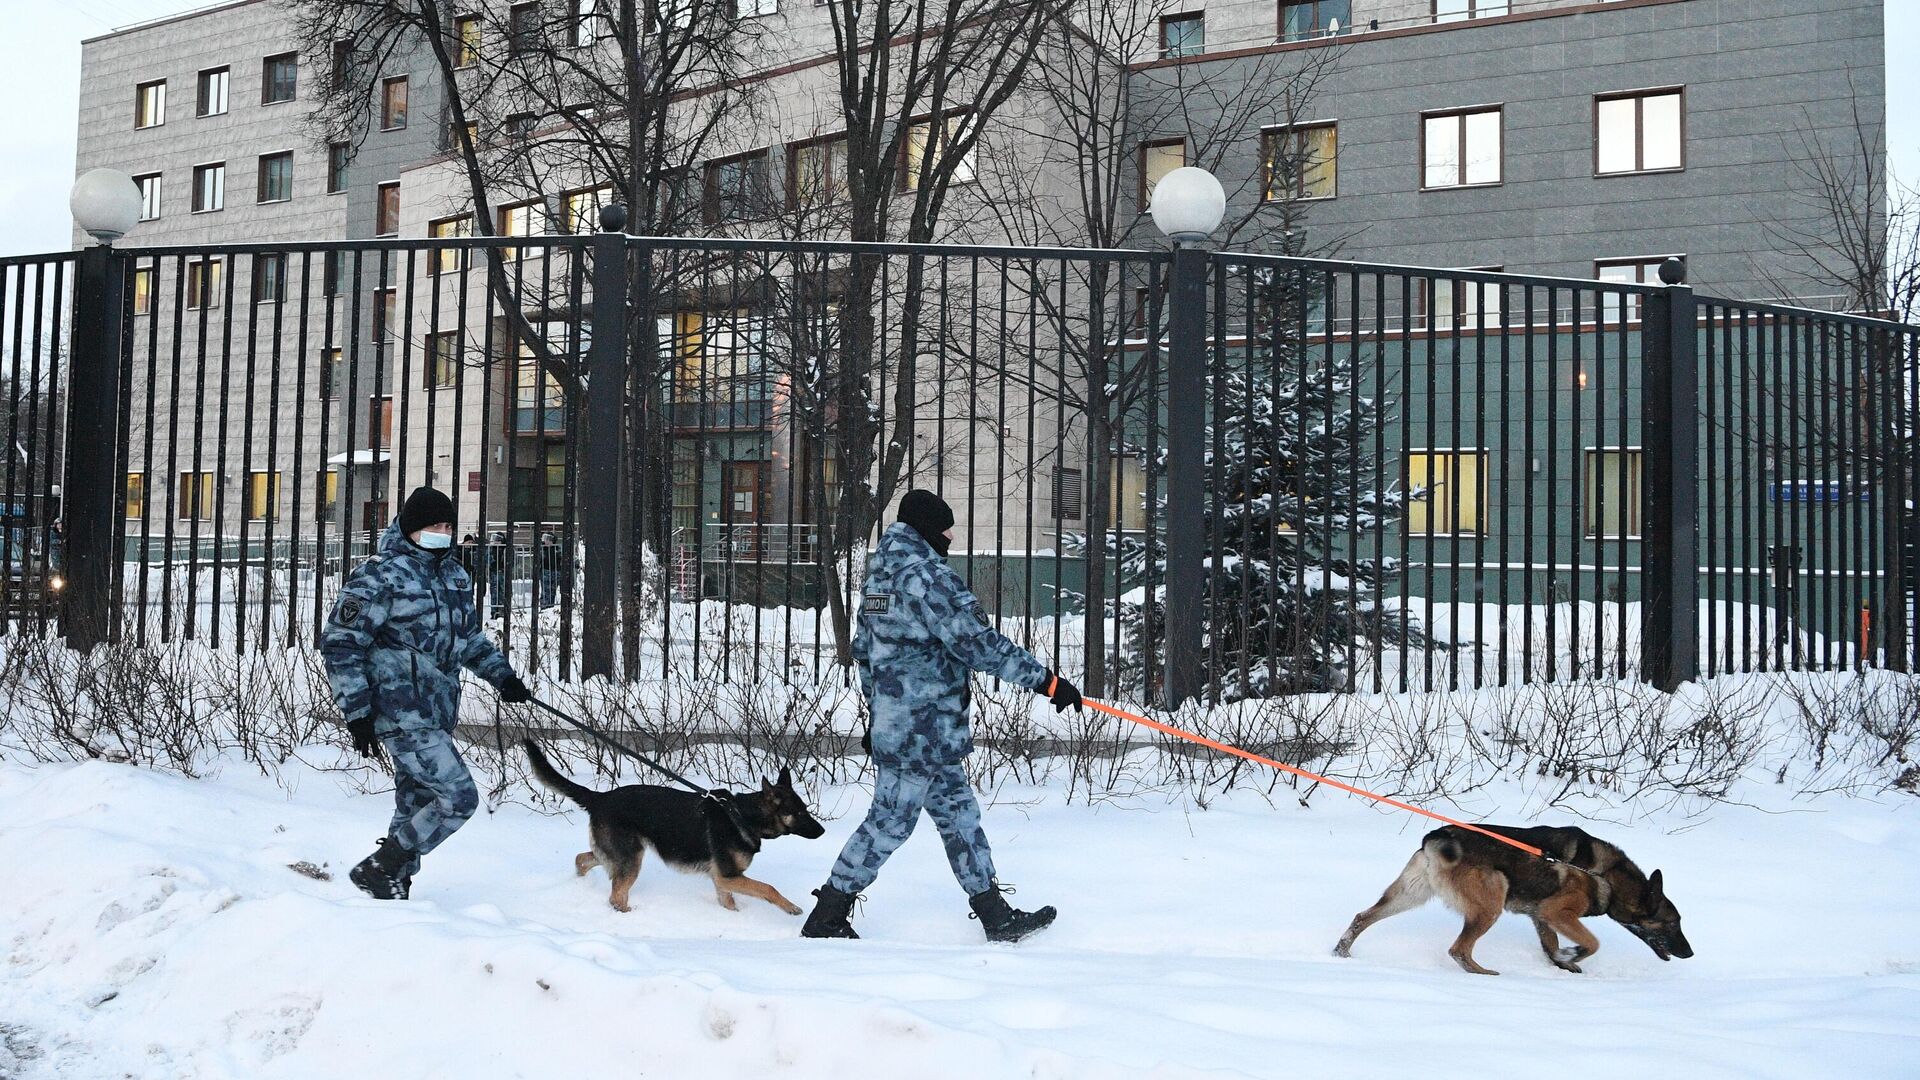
x,y
752,9
466,41
386,219
1445,11
203,283
736,188
150,104
1461,148
523,28
1157,159
380,420
276,177
194,501
1612,502
1455,492
1638,132
454,131
516,221
1302,161
342,64
817,172
212,99
143,291
384,310
589,23
269,279
393,103
518,126
278,77
1467,305
328,483
263,496
449,259
1625,271
1314,18
581,209
333,373
149,196
1183,35
338,156
136,505
443,359
1066,494
539,406
209,187
917,150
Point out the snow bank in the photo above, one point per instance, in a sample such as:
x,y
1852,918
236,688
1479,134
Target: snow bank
x,y
152,929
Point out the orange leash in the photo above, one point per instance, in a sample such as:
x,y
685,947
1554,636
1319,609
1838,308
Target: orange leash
x,y
1122,714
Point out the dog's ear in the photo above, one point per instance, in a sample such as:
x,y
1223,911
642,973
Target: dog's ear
x,y
786,778
1656,890
766,785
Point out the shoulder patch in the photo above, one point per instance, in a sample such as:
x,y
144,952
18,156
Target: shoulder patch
x,y
980,612
349,609
876,603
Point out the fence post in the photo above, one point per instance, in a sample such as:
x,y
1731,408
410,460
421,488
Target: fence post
x,y
1186,472
1670,551
93,407
598,488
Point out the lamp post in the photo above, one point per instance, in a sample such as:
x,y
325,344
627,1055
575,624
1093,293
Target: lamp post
x,y
106,204
1188,205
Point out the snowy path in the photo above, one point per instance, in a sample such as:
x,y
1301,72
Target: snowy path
x,y
151,929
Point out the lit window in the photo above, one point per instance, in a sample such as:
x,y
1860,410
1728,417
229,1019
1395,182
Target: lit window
x,y
1157,159
1302,161
817,172
212,100
263,496
143,291
1453,492
518,221
136,495
917,150
1612,502
393,103
194,497
1462,148
1637,132
582,209
150,104
466,41
449,259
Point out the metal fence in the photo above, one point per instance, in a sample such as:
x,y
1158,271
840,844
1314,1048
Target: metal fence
x,y
1183,473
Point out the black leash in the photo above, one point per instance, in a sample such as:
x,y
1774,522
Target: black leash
x,y
718,798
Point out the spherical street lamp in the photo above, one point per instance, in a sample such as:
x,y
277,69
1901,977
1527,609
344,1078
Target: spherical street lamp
x,y
1188,204
106,203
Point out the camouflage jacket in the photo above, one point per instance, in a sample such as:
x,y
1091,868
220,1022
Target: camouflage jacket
x,y
401,631
921,636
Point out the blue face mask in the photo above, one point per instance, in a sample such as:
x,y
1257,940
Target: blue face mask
x,y
436,541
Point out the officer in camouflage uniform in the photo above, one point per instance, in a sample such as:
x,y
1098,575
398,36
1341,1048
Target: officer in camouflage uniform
x,y
401,631
921,636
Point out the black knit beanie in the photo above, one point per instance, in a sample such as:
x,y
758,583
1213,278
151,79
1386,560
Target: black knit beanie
x,y
423,508
929,515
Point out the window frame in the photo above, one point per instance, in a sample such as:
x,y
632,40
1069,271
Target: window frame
x,y
221,195
710,208
256,272
260,179
1649,269
437,261
1461,114
150,196
386,315
1321,29
1483,497
1631,517
520,38
387,112
159,105
755,9
380,209
253,510
201,109
1639,98
1182,18
1143,191
339,157
333,371
434,360
1458,318
200,506
1063,478
133,505
1472,12
1271,134
267,81
466,50
836,183
151,276
908,177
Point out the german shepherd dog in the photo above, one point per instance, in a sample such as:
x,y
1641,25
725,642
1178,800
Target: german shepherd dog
x,y
1479,876
689,832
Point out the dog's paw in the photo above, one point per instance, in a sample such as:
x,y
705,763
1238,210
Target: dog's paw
x,y
791,909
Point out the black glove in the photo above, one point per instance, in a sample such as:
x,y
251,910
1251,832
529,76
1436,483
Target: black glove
x,y
515,692
1062,693
364,740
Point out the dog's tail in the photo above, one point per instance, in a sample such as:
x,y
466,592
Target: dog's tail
x,y
548,775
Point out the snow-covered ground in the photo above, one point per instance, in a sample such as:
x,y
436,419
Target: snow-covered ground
x,y
152,929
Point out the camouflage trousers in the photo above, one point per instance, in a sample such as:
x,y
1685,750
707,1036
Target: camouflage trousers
x,y
899,794
433,794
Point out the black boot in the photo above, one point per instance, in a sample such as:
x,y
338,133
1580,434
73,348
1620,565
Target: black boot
x,y
829,918
383,875
1004,922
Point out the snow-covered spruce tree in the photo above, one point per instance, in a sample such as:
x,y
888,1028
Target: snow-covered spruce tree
x,y
1290,474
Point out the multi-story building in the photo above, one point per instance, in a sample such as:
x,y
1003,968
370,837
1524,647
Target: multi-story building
x,y
1583,139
